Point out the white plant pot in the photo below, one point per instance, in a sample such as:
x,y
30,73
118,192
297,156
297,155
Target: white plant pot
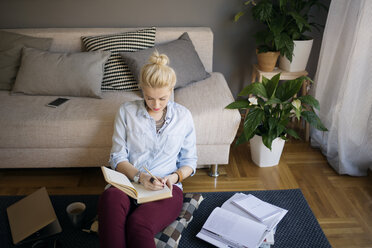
x,y
262,156
301,53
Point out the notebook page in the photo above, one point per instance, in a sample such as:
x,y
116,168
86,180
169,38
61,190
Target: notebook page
x,y
256,207
270,223
116,177
143,193
235,228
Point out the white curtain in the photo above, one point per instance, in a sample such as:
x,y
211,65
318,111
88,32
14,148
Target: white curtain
x,y
343,86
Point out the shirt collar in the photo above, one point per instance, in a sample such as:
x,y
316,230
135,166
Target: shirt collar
x,y
143,112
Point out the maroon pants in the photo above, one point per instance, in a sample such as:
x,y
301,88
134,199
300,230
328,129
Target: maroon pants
x,y
122,223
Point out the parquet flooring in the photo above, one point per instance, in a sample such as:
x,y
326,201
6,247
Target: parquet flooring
x,y
341,204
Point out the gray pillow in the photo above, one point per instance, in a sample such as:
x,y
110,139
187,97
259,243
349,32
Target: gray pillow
x,y
10,54
182,55
61,74
9,65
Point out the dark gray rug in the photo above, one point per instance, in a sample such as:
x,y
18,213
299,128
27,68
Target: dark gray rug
x,y
299,228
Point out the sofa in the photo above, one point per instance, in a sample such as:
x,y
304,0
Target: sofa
x,y
78,133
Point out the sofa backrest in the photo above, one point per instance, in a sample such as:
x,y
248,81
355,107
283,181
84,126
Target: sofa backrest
x,y
69,39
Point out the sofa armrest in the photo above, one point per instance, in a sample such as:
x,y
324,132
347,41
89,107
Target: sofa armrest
x,y
207,100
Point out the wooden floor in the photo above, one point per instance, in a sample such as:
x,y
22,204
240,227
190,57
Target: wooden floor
x,y
342,204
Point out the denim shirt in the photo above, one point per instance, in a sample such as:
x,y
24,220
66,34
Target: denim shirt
x,y
136,140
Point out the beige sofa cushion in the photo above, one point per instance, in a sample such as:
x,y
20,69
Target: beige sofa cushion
x,y
88,122
80,122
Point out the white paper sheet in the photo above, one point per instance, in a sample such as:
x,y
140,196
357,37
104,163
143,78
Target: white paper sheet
x,y
236,229
270,223
260,209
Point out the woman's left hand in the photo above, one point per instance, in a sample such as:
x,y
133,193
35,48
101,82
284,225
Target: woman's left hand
x,y
170,180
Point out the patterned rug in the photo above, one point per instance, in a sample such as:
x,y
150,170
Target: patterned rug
x,y
299,228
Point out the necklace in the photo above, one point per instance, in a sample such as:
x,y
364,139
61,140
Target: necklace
x,y
162,117
159,123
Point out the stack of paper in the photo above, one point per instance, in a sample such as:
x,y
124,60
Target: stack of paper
x,y
261,211
242,221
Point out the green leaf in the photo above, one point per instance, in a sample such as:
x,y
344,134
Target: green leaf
x,y
298,113
279,129
272,124
286,46
255,89
267,140
284,43
313,120
260,101
277,25
271,85
265,81
310,100
289,88
262,11
263,49
252,120
293,133
248,2
238,15
300,21
238,104
272,101
282,4
241,139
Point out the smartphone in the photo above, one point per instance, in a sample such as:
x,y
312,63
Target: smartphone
x,y
57,102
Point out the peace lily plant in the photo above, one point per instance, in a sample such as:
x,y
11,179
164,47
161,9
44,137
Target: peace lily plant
x,y
270,107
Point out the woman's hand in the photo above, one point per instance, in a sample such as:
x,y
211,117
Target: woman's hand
x,y
151,184
170,180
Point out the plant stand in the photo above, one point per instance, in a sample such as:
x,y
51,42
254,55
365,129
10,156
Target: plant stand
x,y
284,75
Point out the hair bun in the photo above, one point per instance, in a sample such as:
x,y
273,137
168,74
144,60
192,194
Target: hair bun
x,y
157,73
159,59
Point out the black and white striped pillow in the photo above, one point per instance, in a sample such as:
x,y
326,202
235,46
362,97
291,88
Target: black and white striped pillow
x,y
117,74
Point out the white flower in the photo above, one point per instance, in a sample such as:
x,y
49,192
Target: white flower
x,y
252,100
296,103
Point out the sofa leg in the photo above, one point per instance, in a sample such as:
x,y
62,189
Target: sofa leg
x,y
213,170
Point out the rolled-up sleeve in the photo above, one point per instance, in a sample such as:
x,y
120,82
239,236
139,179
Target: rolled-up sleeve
x,y
119,150
188,154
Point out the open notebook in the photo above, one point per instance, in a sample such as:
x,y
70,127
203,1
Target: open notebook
x,y
136,191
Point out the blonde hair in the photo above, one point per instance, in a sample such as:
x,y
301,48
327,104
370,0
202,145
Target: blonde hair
x,y
157,73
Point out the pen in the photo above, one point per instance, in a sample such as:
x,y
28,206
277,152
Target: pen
x,y
152,175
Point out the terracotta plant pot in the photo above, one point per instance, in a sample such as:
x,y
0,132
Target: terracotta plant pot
x,y
267,61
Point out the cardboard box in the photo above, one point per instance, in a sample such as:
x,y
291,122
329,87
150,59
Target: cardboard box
x,y
33,218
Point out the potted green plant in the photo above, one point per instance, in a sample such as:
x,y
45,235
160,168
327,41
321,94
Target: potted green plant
x,y
298,24
286,23
270,107
272,39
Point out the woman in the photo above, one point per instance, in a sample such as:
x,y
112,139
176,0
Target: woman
x,y
157,134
